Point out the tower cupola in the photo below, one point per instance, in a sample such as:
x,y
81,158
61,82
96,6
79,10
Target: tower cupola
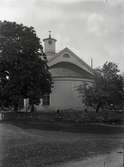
x,y
49,46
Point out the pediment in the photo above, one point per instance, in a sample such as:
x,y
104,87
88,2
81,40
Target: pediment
x,y
67,69
67,56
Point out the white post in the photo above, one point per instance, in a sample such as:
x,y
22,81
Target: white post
x,y
26,103
123,156
104,163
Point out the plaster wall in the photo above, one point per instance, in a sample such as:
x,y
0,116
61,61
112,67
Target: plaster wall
x,y
65,95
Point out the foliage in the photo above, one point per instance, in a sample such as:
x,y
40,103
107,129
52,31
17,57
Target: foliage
x,y
107,89
23,69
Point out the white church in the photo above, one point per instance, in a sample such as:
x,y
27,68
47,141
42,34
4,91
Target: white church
x,y
68,72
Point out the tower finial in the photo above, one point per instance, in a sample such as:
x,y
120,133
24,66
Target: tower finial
x,y
49,34
91,62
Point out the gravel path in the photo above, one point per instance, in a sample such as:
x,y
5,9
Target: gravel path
x,y
113,159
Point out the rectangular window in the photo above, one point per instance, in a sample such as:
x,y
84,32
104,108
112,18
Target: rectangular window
x,y
46,100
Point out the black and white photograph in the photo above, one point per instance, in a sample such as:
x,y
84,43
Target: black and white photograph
x,y
61,83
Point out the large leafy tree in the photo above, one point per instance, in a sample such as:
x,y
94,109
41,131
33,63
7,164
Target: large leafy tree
x,y
23,69
107,88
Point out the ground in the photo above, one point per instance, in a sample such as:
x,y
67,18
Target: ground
x,y
28,147
111,159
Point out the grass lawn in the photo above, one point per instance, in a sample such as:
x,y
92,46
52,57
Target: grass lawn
x,y
29,147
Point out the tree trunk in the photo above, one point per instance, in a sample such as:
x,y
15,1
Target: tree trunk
x,y
16,107
32,107
98,107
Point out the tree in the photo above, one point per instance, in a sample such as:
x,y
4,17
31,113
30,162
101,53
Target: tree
x,y
107,89
23,69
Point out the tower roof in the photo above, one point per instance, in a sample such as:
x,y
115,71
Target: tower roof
x,y
49,37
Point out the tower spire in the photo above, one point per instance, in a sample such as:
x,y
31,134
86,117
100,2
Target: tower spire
x,y
91,62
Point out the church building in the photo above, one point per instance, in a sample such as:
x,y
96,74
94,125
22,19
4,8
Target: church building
x,y
68,72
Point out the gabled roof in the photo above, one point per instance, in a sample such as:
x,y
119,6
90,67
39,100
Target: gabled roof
x,y
72,58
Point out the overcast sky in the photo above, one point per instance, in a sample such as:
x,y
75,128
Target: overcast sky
x,y
90,28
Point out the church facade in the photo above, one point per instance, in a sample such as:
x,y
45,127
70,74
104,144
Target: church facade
x,y
68,72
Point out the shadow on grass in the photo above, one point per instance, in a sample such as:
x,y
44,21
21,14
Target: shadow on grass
x,y
78,127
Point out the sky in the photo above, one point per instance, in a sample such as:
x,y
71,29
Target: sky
x,y
90,28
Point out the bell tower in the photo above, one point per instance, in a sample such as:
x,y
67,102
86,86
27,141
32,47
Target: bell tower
x,y
49,46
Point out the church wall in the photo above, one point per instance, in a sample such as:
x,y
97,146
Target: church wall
x,y
68,72
65,95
